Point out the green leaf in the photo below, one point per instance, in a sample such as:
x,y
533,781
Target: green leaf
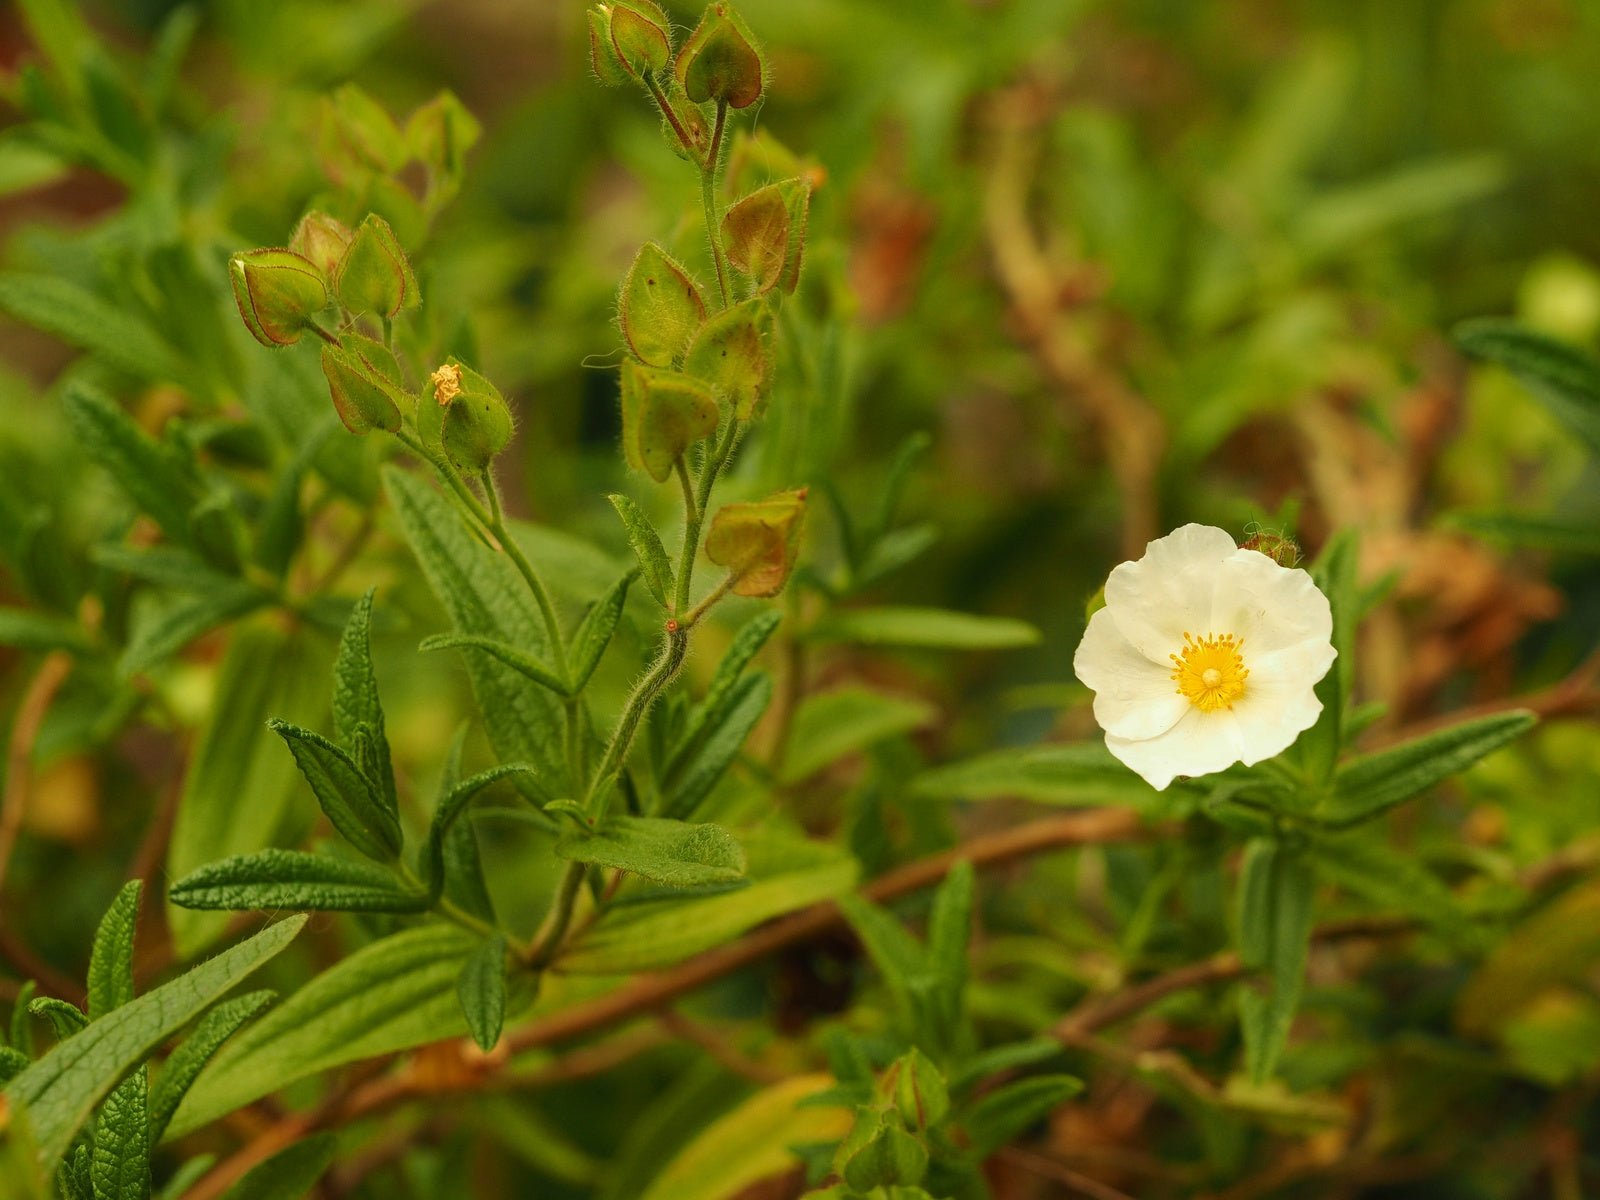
x,y
266,671
153,477
27,630
520,662
451,805
925,628
1069,775
111,961
356,707
899,957
175,625
830,725
83,319
485,597
390,995
752,1143
1540,531
674,853
1335,575
1554,946
1369,786
697,765
185,1063
12,1064
1003,1114
120,1164
166,566
654,566
66,1019
785,872
746,644
281,529
481,988
272,879
63,1087
1394,881
594,632
1276,889
289,1174
1565,379
345,793
950,927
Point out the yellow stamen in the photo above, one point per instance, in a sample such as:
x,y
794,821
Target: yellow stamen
x,y
1210,672
446,383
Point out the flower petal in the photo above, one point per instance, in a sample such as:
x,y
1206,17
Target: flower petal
x,y
1268,607
1199,744
1168,592
1133,697
1280,700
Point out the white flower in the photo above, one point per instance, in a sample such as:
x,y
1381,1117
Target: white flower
x,y
1204,655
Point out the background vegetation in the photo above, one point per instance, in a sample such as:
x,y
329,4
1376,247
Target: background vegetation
x,y
1078,272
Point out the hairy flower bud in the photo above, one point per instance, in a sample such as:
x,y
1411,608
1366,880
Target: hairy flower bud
x,y
363,380
323,240
916,1089
640,41
720,61
277,292
663,414
440,133
733,353
1280,548
467,419
757,541
659,308
765,234
375,275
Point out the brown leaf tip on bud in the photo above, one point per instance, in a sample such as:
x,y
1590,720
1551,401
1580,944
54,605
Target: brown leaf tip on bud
x,y
1280,548
758,542
446,383
277,292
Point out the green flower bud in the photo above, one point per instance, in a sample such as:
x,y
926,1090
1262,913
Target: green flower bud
x,y
765,234
363,380
469,419
720,61
892,1157
733,353
323,240
358,132
663,414
916,1089
757,541
277,292
439,135
639,37
660,307
374,275
1279,547
603,60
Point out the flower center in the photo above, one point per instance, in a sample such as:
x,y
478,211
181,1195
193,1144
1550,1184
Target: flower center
x,y
1210,672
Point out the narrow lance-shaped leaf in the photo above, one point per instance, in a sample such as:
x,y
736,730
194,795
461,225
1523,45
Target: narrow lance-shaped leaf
x,y
654,565
1563,377
355,696
451,805
111,961
289,1174
482,989
594,632
701,762
176,625
274,879
669,852
1276,889
63,1087
184,1064
119,1165
349,799
1008,1111
518,660
147,471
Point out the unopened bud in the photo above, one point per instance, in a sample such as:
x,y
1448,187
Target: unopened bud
x,y
757,542
659,308
323,240
363,380
663,414
916,1089
375,275
277,292
1280,548
359,133
720,61
440,133
892,1158
733,353
765,234
467,417
639,37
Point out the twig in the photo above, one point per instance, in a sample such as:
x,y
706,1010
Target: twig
x,y
653,993
1048,1168
718,1047
31,710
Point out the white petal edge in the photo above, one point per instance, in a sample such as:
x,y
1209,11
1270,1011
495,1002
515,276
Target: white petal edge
x,y
1269,607
1168,592
1133,697
1199,744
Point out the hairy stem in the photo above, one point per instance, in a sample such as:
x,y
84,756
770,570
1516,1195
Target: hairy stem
x,y
708,201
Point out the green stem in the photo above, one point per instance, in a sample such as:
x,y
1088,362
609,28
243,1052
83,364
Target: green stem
x,y
660,98
553,929
691,535
541,596
708,201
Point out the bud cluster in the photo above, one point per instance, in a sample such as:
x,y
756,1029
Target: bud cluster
x,y
888,1146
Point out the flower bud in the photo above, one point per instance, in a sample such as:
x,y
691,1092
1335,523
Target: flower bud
x,y
891,1158
277,291
916,1089
468,420
663,414
765,234
659,308
720,61
757,542
733,353
439,135
639,37
363,379
1280,548
374,275
358,133
603,61
323,240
